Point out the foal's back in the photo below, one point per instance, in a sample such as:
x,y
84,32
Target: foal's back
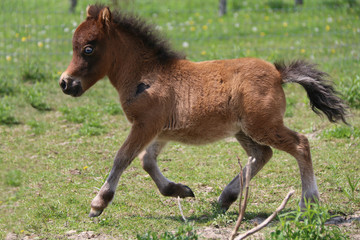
x,y
214,98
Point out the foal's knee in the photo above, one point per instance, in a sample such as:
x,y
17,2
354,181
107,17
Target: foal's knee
x,y
146,161
303,154
262,156
304,143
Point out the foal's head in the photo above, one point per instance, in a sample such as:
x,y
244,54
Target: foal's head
x,y
91,53
106,41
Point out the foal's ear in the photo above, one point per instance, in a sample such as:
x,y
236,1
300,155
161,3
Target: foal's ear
x,y
90,9
105,16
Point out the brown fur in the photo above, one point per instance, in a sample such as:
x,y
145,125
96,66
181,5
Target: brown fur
x,y
168,98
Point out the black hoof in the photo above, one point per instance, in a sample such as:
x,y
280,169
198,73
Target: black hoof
x,y
95,213
177,190
189,192
225,201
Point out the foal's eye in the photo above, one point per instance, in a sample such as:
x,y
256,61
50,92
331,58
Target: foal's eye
x,y
88,50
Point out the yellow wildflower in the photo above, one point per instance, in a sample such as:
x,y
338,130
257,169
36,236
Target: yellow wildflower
x,y
333,50
205,27
84,168
40,44
23,39
327,28
8,58
262,34
203,53
302,50
285,24
192,28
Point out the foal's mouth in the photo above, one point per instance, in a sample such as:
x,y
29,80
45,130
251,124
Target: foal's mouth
x,y
76,91
71,86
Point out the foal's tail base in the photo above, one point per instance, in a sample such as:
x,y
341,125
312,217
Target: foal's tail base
x,y
319,89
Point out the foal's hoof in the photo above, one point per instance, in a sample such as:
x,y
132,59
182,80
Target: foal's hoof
x,y
187,192
308,200
223,207
227,198
95,213
177,190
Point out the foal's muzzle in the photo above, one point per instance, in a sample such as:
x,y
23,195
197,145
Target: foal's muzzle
x,y
70,85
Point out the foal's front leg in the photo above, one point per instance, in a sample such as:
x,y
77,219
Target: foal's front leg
x,y
139,137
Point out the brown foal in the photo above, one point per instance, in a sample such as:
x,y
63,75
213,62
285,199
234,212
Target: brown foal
x,y
168,98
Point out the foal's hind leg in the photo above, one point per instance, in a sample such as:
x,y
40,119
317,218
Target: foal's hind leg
x,y
165,186
298,146
261,153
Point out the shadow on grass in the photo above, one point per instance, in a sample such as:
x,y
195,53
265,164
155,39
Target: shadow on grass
x,y
219,217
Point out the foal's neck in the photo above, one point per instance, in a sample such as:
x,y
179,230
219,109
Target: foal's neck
x,y
126,63
131,61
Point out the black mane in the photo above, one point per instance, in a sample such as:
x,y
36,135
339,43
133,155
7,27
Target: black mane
x,y
138,28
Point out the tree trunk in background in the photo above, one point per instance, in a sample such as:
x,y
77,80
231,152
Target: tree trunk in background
x,y
222,7
352,3
299,2
73,4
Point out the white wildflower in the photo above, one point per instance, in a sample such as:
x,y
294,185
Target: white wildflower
x,y
185,44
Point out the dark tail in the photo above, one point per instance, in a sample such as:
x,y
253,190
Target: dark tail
x,y
319,89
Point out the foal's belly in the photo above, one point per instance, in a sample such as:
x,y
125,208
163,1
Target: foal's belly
x,y
201,134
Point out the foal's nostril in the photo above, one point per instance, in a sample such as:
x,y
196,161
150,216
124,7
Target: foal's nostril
x,y
63,85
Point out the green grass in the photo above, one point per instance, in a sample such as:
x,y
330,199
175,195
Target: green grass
x,y
36,97
7,86
351,190
6,113
341,132
37,127
185,232
350,91
34,72
51,162
13,178
308,223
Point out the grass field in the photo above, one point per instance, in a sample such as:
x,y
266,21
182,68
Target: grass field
x,y
55,151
